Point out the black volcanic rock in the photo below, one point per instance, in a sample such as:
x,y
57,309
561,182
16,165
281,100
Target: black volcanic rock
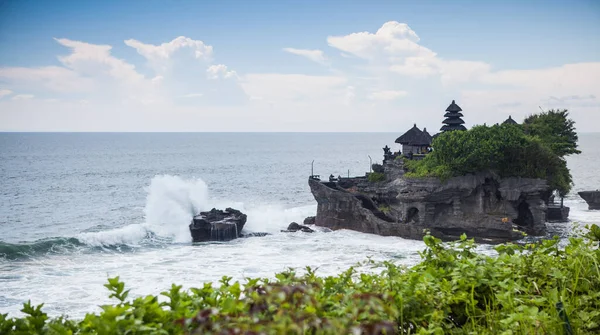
x,y
217,225
294,227
483,206
309,221
592,198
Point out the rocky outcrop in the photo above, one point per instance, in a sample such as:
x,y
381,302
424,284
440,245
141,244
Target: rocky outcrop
x,y
294,227
217,225
482,206
592,198
310,220
557,213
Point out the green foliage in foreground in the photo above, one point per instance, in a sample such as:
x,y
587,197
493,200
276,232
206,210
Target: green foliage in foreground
x,y
453,290
503,149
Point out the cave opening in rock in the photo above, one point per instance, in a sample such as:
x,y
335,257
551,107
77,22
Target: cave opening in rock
x,y
412,215
525,217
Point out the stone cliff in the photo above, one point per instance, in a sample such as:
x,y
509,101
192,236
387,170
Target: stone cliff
x,y
592,198
482,206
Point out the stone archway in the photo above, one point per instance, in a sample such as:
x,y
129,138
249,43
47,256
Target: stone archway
x,y
412,215
525,217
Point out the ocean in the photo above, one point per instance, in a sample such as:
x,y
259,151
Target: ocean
x,y
78,208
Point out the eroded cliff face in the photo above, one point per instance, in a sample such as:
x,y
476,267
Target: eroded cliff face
x,y
482,206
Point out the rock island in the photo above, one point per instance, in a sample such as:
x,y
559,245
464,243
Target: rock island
x,y
492,183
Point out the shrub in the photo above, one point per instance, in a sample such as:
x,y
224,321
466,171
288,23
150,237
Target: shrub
x,y
377,168
384,209
502,149
536,288
376,177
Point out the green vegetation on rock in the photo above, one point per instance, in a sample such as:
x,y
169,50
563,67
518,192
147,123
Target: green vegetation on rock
x,y
376,177
555,129
538,288
534,150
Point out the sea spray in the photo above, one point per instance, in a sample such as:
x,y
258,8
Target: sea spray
x,y
171,204
273,218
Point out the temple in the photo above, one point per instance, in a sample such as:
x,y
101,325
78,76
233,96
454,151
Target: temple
x,y
510,120
415,141
453,119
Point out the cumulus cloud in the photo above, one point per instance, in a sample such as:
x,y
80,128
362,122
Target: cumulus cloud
x,y
387,95
220,71
396,47
316,56
382,66
392,38
165,50
86,57
5,92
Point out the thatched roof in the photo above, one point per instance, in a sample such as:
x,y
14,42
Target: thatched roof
x,y
510,121
450,121
451,114
453,108
423,140
453,127
414,136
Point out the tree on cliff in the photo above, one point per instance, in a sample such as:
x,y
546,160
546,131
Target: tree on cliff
x,y
502,149
555,129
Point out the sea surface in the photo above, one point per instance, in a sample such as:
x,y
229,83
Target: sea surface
x,y
78,208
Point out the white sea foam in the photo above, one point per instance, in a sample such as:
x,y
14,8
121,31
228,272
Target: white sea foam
x,y
172,202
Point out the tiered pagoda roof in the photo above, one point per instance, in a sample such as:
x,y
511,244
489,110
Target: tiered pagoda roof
x,y
453,119
510,121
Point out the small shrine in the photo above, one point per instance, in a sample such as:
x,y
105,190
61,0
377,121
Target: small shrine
x,y
415,141
509,121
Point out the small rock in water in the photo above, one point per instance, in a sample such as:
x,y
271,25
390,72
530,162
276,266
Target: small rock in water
x,y
294,227
309,220
217,225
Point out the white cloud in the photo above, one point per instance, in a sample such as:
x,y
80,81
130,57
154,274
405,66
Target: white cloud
x,y
23,97
571,86
314,55
85,58
93,90
5,92
51,78
387,95
192,95
293,87
157,80
391,39
163,51
220,71
396,47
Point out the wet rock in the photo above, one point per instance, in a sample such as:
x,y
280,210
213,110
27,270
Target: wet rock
x,y
255,234
592,198
482,206
309,221
294,227
217,225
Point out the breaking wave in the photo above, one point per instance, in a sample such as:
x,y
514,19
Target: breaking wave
x,y
171,203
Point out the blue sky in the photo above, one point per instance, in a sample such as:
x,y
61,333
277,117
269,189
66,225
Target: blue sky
x,y
293,65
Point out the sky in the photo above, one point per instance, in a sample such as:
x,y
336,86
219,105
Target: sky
x,y
302,66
